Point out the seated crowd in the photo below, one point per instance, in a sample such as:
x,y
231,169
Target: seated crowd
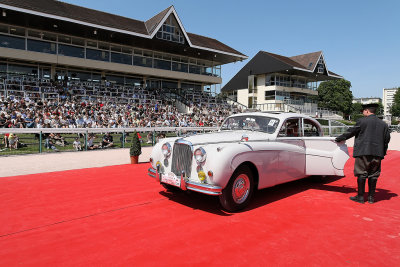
x,y
74,113
26,113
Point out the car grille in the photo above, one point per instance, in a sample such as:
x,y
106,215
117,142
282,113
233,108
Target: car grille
x,y
181,159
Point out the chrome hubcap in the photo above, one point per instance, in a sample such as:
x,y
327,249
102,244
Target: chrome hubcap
x,y
241,188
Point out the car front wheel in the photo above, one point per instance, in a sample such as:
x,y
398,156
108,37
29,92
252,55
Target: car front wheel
x,y
239,190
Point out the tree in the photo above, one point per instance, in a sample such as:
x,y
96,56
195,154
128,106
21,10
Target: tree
x,y
136,148
356,111
379,111
395,109
336,95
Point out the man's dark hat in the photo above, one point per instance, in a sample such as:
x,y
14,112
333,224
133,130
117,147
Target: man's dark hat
x,y
371,105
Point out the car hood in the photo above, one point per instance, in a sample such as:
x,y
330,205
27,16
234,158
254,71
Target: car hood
x,y
225,137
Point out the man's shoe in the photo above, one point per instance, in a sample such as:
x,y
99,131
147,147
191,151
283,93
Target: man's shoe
x,y
358,199
372,187
371,200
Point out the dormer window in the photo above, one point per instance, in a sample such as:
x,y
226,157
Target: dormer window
x,y
321,66
170,31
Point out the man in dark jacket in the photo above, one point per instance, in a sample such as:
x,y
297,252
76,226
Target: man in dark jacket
x,y
371,141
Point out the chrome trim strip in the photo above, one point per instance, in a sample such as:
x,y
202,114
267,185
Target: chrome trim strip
x,y
204,191
207,189
183,141
204,188
153,173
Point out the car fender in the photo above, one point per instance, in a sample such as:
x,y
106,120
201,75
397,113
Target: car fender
x,y
221,160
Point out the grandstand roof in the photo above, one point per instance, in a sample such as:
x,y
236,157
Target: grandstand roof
x,y
39,12
265,62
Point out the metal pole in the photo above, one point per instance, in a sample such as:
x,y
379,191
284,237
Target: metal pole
x,y
329,129
40,142
123,139
86,136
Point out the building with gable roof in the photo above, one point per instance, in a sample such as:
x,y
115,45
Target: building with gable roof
x,y
272,82
46,39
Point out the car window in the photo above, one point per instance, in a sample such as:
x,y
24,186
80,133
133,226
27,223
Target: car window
x,y
253,123
290,128
311,128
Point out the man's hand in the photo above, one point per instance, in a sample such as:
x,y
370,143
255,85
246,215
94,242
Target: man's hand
x,y
338,139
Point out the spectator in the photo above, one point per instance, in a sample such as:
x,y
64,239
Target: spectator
x,y
13,141
49,144
3,120
107,141
90,142
77,144
5,140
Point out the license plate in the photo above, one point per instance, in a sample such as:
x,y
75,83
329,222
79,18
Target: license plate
x,y
170,178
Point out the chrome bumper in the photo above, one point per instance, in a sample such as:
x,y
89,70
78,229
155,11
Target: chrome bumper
x,y
188,185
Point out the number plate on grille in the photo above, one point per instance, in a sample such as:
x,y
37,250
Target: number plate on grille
x,y
171,178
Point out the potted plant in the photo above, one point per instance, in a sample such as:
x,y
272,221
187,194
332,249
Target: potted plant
x,y
136,149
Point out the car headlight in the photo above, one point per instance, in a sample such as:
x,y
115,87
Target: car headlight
x,y
200,155
166,150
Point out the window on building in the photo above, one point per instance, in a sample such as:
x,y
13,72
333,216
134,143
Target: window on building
x,y
162,64
81,76
269,80
64,39
44,73
17,31
169,85
97,54
194,69
78,41
41,46
142,61
121,58
179,67
270,95
115,79
170,31
12,42
3,28
133,81
71,51
23,70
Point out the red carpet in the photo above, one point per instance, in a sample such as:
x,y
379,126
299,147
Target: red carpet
x,y
120,216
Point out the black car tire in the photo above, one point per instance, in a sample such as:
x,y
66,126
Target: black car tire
x,y
237,194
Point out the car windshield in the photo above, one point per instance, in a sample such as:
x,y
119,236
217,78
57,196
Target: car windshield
x,y
253,123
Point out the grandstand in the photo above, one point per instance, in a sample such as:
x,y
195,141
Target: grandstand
x,y
271,82
50,50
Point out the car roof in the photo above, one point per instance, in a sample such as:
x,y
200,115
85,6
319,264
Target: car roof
x,y
278,115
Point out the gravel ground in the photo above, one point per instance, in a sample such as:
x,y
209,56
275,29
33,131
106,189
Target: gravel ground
x,y
40,163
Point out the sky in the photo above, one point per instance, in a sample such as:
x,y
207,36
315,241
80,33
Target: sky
x,y
360,39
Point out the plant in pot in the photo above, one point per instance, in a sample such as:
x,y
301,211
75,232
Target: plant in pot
x,y
136,149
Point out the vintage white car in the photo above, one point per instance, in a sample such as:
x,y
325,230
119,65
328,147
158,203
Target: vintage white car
x,y
250,151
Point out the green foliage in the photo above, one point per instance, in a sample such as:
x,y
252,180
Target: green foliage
x,y
136,148
323,122
349,123
379,111
356,111
395,109
336,95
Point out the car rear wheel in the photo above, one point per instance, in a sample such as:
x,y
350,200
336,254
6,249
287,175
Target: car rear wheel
x,y
239,190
